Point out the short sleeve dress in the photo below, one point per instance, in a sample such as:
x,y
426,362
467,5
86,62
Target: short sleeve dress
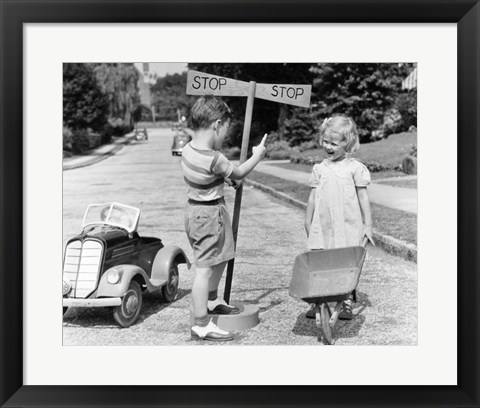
x,y
337,218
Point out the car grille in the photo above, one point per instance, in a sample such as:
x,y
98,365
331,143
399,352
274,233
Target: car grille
x,y
82,266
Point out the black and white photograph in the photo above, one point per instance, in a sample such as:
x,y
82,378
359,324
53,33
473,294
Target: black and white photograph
x,y
239,204
230,204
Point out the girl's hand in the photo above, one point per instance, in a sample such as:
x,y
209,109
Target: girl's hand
x,y
260,149
307,229
368,232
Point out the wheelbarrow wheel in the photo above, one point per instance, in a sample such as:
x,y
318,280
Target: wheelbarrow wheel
x,y
328,332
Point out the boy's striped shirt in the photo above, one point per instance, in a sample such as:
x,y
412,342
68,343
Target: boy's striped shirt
x,y
204,172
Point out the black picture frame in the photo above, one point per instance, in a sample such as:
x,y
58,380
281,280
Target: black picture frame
x,y
14,13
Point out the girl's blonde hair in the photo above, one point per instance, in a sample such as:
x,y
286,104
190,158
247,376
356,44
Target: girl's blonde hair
x,y
344,126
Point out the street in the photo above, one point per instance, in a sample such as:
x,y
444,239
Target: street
x,y
271,234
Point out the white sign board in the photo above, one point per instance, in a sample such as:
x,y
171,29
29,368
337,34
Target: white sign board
x,y
298,95
200,83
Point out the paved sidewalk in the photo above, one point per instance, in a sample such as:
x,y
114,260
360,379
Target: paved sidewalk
x,y
398,198
99,154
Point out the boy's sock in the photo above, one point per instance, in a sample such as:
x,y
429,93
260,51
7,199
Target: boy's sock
x,y
201,321
213,294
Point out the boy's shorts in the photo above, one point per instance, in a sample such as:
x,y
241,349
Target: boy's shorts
x,y
209,231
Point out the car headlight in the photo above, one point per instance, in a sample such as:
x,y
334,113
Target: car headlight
x,y
67,286
113,276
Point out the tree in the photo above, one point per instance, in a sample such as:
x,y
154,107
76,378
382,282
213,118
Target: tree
x,y
84,104
362,91
119,82
169,97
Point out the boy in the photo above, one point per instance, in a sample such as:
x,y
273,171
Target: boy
x,y
207,222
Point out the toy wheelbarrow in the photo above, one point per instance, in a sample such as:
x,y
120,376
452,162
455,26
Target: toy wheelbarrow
x,y
330,275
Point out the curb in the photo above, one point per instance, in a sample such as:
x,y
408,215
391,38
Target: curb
x,y
388,243
115,147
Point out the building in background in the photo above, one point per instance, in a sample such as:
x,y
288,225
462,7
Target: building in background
x,y
410,82
145,80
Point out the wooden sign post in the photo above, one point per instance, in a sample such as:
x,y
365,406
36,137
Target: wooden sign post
x,y
200,83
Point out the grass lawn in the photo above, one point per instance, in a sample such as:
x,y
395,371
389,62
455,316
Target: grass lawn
x,y
387,152
396,223
400,183
308,168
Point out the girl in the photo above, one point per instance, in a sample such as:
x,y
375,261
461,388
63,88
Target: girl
x,y
339,196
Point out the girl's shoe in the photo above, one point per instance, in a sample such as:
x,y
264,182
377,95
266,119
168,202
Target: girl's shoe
x,y
210,332
346,311
219,306
311,313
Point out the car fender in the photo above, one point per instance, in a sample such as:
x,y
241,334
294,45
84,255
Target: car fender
x,y
127,273
164,259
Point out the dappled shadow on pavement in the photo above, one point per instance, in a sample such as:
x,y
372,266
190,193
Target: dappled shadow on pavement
x,y
265,292
102,317
343,328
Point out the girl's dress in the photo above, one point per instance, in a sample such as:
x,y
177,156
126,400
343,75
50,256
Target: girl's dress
x,y
337,219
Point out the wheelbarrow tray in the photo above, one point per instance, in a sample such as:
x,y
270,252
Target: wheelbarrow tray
x,y
328,275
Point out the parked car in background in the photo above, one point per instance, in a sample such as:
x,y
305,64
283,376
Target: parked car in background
x,y
141,134
109,265
179,141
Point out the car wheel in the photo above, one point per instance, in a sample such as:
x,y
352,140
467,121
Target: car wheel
x,y
169,291
127,313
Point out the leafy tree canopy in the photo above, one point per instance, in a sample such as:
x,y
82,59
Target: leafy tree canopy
x,y
119,82
169,97
362,91
84,103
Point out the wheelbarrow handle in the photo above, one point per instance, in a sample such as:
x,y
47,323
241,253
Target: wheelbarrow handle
x,y
364,242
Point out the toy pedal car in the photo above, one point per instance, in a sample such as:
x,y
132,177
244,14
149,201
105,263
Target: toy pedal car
x,y
109,264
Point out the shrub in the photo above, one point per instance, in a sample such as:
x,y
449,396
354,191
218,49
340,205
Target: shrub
x,y
278,150
80,142
119,127
300,127
409,165
280,155
392,122
232,153
413,150
376,167
67,139
310,145
406,104
107,133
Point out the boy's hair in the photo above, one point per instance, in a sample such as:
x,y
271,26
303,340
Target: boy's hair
x,y
208,109
344,126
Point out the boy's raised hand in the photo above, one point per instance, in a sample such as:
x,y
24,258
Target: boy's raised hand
x,y
260,149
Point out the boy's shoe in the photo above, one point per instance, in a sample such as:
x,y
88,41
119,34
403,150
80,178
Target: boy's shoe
x,y
219,306
210,332
346,311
